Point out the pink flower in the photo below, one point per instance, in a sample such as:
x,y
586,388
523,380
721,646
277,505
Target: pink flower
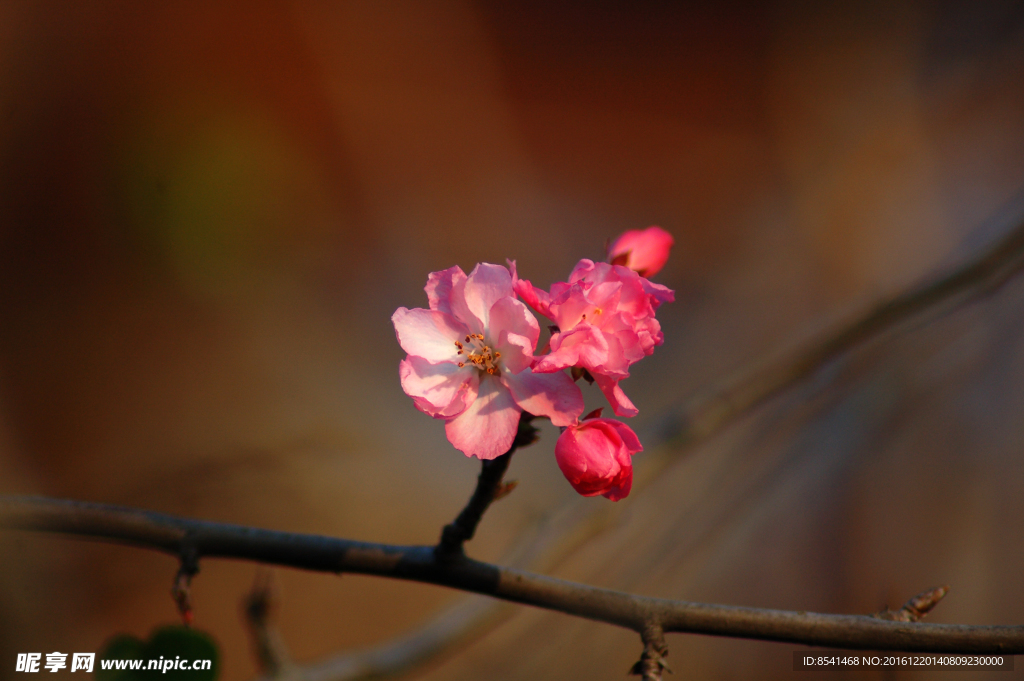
x,y
644,251
469,361
605,318
594,456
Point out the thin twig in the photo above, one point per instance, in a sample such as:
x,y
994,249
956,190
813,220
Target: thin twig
x,y
271,653
489,487
420,563
917,607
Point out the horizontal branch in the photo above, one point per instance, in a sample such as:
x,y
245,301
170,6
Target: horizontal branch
x,y
183,537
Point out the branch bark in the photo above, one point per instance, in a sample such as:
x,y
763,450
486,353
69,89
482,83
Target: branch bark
x,y
173,535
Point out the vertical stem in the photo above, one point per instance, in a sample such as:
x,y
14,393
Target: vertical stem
x,y
488,485
181,592
652,660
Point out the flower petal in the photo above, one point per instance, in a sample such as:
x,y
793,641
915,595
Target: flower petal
x,y
658,293
648,332
428,333
582,269
460,310
516,351
621,404
629,438
508,314
569,308
553,395
440,390
620,487
486,285
439,288
631,296
536,298
514,331
624,348
488,426
582,346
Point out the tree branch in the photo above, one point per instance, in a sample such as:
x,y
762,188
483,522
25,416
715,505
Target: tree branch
x,y
420,563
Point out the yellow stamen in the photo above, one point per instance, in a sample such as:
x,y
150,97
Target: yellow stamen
x,y
481,356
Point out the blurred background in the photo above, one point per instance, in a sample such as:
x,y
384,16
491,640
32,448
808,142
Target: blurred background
x,y
210,212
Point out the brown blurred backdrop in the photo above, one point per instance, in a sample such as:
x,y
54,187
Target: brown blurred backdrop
x,y
208,213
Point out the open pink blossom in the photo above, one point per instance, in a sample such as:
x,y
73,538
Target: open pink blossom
x,y
469,361
644,251
605,319
595,457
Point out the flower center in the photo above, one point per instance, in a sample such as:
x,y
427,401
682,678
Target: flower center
x,y
479,354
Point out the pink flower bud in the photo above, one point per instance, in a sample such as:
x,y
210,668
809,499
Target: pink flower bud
x,y
594,456
644,251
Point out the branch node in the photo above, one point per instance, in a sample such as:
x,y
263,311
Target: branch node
x,y
181,591
917,607
505,488
652,661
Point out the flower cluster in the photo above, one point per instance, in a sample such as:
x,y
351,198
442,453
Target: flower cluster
x,y
471,356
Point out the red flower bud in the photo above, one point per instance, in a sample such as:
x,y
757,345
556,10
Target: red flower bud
x,y
595,457
642,251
